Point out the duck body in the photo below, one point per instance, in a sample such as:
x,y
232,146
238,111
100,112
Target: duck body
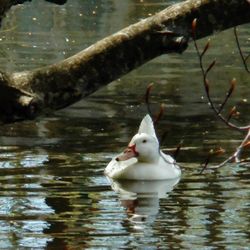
x,y
143,159
134,170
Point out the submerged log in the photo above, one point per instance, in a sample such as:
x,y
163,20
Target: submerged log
x,y
25,95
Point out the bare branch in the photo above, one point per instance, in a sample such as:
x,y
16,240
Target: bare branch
x,y
235,157
59,85
147,96
159,114
244,58
218,112
230,91
207,88
211,154
177,150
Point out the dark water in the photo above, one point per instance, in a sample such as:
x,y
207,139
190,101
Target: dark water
x,y
53,193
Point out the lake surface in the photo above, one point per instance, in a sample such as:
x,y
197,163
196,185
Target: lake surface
x,y
53,194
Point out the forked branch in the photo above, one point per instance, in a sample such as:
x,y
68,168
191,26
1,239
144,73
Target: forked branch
x,y
205,71
157,117
63,83
219,109
235,157
244,58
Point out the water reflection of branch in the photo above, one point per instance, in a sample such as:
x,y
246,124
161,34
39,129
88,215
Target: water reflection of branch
x,y
235,157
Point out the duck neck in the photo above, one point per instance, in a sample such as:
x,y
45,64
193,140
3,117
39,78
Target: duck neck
x,y
150,158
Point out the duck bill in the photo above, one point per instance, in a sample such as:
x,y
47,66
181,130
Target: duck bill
x,y
128,153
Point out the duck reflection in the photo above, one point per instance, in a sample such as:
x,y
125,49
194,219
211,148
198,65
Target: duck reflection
x,y
141,198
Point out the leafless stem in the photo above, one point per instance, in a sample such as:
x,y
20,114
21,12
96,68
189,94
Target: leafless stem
x,y
207,87
158,115
147,96
177,150
157,118
244,58
210,155
229,93
218,111
235,157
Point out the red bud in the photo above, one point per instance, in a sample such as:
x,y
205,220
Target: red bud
x,y
210,66
219,151
207,85
194,23
205,48
233,84
231,113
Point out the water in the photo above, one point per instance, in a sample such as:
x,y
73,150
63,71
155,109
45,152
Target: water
x,y
53,194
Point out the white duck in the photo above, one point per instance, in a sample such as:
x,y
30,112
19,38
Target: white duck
x,y
143,159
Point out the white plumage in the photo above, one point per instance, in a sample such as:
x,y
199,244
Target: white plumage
x,y
143,159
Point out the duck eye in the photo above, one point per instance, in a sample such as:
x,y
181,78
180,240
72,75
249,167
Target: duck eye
x,y
144,141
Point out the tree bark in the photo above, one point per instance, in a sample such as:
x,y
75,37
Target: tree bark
x,y
25,95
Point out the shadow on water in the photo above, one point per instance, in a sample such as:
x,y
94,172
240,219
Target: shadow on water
x,y
53,194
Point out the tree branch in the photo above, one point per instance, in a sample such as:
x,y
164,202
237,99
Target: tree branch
x,y
31,93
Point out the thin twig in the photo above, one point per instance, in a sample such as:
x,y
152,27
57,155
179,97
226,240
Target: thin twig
x,y
210,155
158,115
147,96
244,59
218,111
177,150
235,157
206,83
229,93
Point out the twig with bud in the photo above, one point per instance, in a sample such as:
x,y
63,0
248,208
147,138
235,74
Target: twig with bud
x,y
218,110
157,117
235,157
244,58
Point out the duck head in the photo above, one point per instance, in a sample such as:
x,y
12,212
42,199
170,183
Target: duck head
x,y
144,145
